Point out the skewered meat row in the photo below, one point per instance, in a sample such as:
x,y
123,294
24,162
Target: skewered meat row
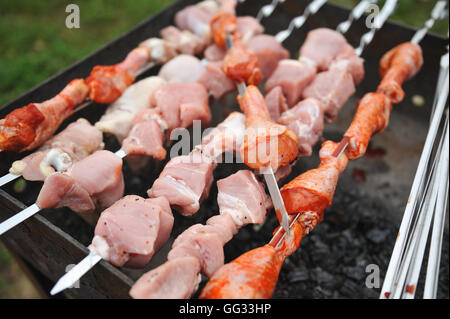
x,y
307,196
74,143
158,283
199,249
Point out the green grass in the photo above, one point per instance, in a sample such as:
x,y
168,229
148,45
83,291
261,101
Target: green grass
x,y
36,44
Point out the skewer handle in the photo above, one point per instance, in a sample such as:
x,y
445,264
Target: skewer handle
x,y
70,278
18,218
8,178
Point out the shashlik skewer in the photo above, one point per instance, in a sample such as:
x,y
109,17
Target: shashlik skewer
x,y
261,133
318,191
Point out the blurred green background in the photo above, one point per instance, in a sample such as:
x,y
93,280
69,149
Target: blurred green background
x,y
35,44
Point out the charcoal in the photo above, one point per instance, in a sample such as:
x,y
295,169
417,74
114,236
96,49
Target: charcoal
x,y
298,275
356,273
377,236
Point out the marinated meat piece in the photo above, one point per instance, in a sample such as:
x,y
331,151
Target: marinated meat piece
x,y
306,120
226,137
175,279
268,51
398,65
179,104
215,80
332,88
97,179
119,115
323,45
372,116
265,142
133,230
241,65
196,18
242,197
276,103
184,41
185,182
160,50
182,69
107,83
250,276
146,136
293,77
314,189
30,126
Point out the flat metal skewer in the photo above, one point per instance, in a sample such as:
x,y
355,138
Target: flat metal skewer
x,y
432,274
71,277
8,178
400,244
18,218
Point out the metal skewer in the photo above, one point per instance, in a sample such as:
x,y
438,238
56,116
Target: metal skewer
x,y
434,206
299,21
432,275
268,9
70,278
400,244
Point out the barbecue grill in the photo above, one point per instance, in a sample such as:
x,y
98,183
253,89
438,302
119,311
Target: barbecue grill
x,y
358,230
